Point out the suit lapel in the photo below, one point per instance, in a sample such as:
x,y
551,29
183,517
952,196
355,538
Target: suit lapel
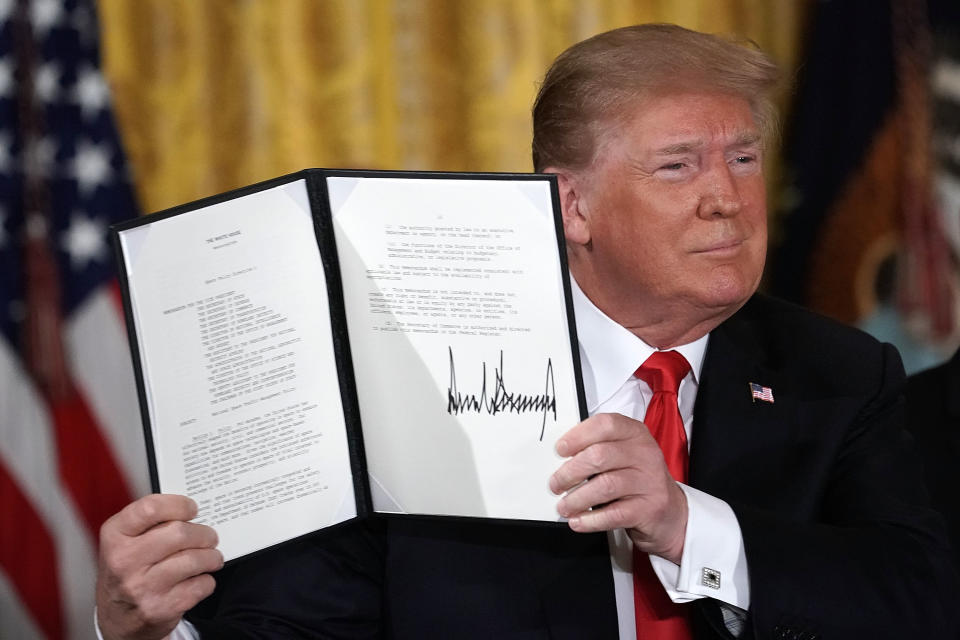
x,y
737,440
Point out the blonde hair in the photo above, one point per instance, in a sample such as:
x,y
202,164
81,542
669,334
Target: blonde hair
x,y
592,85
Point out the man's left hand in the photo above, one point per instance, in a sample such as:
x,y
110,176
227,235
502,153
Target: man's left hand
x,y
616,477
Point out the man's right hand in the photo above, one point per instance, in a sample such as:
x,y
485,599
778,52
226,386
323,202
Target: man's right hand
x,y
154,566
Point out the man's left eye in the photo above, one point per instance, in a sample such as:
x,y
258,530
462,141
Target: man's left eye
x,y
674,166
744,159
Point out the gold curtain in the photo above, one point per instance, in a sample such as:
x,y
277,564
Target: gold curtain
x,y
215,94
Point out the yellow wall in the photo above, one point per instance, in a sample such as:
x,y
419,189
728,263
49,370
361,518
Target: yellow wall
x,y
215,94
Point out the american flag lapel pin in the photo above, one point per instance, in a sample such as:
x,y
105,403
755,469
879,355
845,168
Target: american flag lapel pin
x,y
759,392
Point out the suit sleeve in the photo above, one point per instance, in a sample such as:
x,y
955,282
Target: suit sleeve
x,y
875,558
325,586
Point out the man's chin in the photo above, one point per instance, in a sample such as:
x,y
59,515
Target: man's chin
x,y
727,296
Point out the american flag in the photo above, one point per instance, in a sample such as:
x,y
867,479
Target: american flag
x,y
71,450
758,392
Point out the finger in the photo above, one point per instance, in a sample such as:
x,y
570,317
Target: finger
x,y
149,511
595,459
132,556
184,565
603,427
615,515
602,489
148,587
173,536
641,453
656,522
188,593
162,610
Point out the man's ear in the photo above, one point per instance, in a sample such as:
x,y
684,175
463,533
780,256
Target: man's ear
x,y
576,225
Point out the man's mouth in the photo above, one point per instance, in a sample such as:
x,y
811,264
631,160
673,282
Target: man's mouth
x,y
721,249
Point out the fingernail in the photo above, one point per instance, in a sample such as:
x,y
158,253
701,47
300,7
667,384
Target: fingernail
x,y
561,447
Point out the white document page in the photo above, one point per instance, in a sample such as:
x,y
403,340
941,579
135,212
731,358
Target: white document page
x,y
230,307
459,336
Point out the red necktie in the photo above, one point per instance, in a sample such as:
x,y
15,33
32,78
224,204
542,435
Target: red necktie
x,y
658,617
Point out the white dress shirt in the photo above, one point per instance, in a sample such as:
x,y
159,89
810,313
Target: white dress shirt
x,y
609,356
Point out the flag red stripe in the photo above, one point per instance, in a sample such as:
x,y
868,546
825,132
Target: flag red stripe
x,y
29,558
87,467
113,288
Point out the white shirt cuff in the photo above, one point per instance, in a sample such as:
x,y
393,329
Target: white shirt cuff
x,y
183,631
713,564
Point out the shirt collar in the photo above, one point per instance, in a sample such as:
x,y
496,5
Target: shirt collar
x,y
610,353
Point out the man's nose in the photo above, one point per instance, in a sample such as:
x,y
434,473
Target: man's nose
x,y
721,195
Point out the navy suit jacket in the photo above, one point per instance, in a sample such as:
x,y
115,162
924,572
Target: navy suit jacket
x,y
933,407
839,539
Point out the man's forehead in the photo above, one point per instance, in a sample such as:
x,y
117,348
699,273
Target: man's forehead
x,y
680,121
737,139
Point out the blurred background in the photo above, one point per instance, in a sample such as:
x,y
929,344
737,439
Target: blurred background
x,y
122,107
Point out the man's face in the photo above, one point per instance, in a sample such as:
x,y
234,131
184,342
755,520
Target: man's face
x,y
675,211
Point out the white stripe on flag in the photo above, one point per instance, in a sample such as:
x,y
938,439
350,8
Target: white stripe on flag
x,y
28,452
16,623
96,341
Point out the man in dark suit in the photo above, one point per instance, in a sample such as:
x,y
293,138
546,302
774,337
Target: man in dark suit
x,y
802,514
933,404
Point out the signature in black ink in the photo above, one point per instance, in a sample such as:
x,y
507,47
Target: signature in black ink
x,y
502,401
